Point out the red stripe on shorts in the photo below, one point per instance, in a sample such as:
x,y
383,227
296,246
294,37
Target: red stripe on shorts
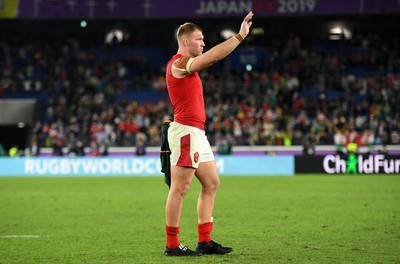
x,y
184,158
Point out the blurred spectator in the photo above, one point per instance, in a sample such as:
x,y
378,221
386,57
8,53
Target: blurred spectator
x,y
103,149
2,151
309,145
141,144
34,149
225,147
76,149
352,148
58,147
13,151
383,150
94,150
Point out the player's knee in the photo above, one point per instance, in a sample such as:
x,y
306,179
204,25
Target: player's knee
x,y
211,186
216,183
182,190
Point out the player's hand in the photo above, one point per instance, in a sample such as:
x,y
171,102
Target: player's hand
x,y
246,24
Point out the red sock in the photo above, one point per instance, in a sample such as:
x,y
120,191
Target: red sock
x,y
172,236
204,231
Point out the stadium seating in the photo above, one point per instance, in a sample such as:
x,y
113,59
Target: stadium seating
x,y
110,94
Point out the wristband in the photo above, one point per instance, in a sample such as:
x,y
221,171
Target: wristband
x,y
238,38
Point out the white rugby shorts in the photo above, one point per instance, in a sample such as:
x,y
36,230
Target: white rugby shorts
x,y
189,146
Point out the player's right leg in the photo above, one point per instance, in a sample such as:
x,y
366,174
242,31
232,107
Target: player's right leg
x,y
181,179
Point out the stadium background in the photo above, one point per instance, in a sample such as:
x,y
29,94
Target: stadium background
x,y
313,76
55,68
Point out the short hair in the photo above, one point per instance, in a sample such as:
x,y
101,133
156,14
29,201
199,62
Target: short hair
x,y
186,29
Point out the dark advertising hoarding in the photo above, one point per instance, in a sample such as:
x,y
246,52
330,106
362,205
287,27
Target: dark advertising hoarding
x,y
348,164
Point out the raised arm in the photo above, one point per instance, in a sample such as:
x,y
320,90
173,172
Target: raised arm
x,y
189,64
223,49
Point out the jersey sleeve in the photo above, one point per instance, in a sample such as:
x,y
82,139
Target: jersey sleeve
x,y
183,64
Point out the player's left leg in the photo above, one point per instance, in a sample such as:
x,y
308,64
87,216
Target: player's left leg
x,y
208,176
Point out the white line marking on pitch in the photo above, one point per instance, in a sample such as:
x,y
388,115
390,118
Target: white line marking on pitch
x,y
22,236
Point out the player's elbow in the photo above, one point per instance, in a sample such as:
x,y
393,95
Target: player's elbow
x,y
213,58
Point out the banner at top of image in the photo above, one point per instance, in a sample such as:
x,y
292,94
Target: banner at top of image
x,y
60,9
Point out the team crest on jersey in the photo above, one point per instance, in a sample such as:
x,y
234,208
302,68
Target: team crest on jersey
x,y
196,157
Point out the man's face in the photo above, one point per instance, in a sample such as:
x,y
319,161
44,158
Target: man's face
x,y
196,43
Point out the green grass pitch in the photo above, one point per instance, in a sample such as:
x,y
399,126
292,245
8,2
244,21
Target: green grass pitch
x,y
301,219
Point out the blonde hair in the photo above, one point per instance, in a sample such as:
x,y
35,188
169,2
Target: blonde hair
x,y
186,29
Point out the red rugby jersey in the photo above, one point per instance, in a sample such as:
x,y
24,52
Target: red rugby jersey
x,y
186,95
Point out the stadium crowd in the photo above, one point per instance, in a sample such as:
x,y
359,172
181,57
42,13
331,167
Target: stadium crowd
x,y
326,93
